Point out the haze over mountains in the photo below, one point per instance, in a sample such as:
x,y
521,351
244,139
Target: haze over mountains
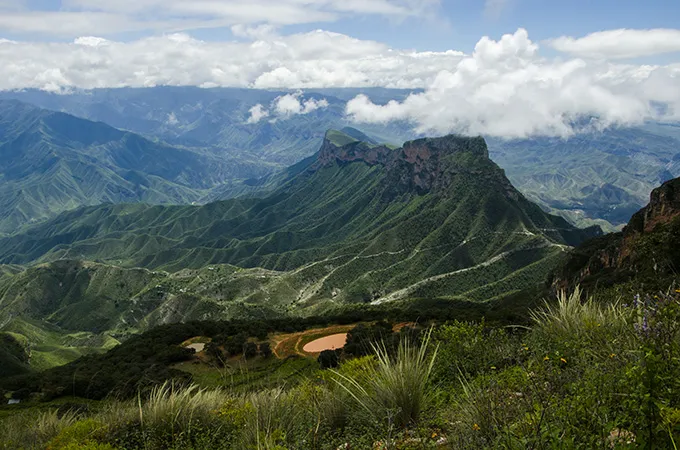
x,y
596,178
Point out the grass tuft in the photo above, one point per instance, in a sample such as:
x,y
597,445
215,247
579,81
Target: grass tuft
x,y
396,387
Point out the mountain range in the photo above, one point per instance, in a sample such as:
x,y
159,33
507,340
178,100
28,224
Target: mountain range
x,y
598,178
52,162
358,223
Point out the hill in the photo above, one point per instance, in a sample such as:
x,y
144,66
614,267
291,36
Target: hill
x,y
646,253
51,162
359,223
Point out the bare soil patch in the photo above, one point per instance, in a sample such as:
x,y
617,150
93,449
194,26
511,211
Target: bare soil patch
x,y
332,342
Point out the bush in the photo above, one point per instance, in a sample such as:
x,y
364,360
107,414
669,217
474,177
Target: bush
x,y
396,388
329,359
265,350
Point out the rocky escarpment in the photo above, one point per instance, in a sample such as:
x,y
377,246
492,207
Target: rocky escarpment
x,y
420,166
648,247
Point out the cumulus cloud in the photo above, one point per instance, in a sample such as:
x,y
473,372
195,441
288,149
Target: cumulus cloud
x,y
257,113
286,106
290,104
506,89
620,44
105,17
304,60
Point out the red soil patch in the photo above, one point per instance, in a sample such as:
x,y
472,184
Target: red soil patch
x,y
331,342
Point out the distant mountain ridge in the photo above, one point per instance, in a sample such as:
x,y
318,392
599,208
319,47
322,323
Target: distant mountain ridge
x,y
592,178
358,223
51,162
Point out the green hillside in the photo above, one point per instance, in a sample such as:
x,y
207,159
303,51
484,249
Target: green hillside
x,y
359,223
51,162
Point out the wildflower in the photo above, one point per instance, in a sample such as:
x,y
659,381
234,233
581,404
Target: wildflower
x,y
526,349
677,291
434,435
613,355
563,360
547,358
475,427
493,367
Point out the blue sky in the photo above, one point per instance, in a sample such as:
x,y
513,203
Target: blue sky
x,y
447,24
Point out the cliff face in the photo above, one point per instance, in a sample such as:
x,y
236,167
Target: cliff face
x,y
648,247
419,166
664,206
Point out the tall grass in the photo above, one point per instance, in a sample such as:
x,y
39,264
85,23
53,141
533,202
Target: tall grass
x,y
177,409
30,431
274,416
572,319
396,387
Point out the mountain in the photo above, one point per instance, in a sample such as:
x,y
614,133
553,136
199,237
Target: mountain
x,y
592,178
647,251
217,118
362,222
51,162
13,357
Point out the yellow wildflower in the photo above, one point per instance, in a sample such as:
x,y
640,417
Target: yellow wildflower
x,y
475,427
613,355
563,360
547,358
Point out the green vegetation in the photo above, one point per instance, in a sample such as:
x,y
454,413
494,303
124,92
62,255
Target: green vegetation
x,y
359,224
582,375
52,162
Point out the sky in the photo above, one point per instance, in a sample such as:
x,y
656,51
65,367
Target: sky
x,y
509,68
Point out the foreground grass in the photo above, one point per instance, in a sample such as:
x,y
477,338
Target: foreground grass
x,y
584,375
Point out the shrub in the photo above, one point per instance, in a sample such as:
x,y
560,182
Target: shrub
x,y
30,431
85,434
328,359
396,388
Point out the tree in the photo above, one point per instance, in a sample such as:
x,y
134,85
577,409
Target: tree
x,y
329,359
250,350
265,350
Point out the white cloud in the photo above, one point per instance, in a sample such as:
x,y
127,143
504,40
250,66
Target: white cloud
x,y
105,17
290,104
306,60
506,89
620,44
257,113
286,106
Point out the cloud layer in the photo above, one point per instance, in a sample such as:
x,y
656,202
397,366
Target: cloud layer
x,y
506,89
72,18
620,44
305,60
